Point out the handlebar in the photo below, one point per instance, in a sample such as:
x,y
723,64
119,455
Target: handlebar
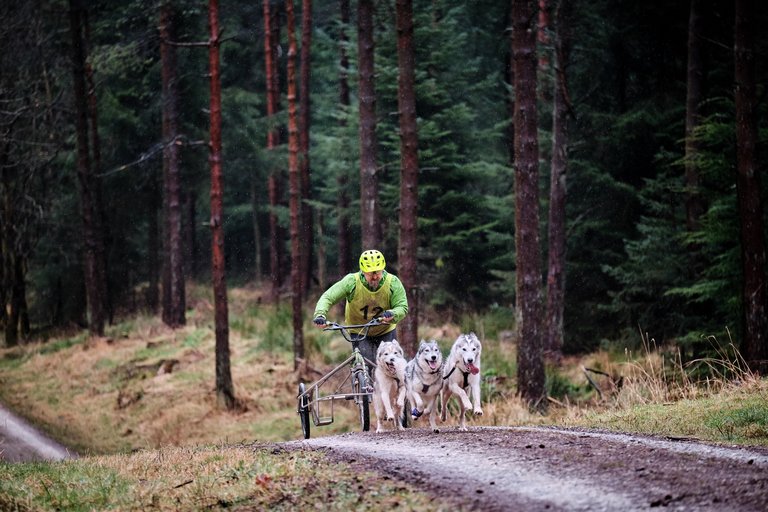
x,y
353,337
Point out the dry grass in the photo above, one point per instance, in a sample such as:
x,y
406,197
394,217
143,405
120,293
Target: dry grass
x,y
656,393
141,402
109,395
218,477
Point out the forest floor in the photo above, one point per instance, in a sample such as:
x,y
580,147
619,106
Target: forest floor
x,y
522,468
540,468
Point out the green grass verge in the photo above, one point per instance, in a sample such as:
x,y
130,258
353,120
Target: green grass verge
x,y
737,416
205,478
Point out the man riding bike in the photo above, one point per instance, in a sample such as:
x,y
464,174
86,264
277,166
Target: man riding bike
x,y
370,293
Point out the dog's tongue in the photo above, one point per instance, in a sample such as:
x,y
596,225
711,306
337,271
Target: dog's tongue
x,y
432,364
474,370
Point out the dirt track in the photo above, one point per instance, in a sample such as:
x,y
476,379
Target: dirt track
x,y
21,442
533,469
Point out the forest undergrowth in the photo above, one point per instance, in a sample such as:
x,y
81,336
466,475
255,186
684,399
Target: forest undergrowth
x,y
138,406
145,386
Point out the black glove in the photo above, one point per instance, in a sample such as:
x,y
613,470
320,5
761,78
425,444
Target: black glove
x,y
387,314
319,320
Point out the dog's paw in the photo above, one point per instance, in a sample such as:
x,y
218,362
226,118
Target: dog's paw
x,y
390,418
435,430
416,413
478,411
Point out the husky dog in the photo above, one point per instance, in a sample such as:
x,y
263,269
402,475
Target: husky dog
x,y
461,374
423,379
389,388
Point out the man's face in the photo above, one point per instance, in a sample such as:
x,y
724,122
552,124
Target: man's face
x,y
373,278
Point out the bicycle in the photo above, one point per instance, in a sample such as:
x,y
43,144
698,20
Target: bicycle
x,y
358,383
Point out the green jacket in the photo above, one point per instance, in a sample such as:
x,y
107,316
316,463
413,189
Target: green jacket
x,y
345,288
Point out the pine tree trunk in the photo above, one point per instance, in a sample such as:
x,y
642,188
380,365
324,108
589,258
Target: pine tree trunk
x,y
191,259
225,394
8,319
258,275
153,252
294,184
755,345
542,36
342,204
92,238
369,180
174,260
530,366
271,40
409,174
557,190
321,252
307,233
98,201
21,291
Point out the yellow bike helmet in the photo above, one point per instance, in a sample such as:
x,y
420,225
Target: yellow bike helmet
x,y
372,261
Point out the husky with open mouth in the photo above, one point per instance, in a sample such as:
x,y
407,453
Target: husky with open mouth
x,y
389,390
423,380
461,377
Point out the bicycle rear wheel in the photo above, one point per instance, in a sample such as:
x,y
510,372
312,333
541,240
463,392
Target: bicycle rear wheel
x,y
303,411
360,388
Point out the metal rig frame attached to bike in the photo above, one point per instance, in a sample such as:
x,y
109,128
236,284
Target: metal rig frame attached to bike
x,y
358,389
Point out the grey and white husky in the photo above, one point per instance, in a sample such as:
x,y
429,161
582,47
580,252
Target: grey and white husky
x,y
461,377
389,390
423,380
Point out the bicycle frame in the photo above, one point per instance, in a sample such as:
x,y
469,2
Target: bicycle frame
x,y
355,386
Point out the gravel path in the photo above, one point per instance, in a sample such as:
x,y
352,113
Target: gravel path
x,y
537,469
21,442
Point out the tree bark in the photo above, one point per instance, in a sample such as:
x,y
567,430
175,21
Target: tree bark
x,y
174,260
8,314
257,248
557,191
271,40
153,251
225,394
307,225
100,214
191,259
369,180
342,203
294,183
754,347
542,35
530,367
92,237
409,174
321,252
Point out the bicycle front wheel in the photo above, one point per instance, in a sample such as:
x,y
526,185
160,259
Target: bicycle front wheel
x,y
303,411
360,388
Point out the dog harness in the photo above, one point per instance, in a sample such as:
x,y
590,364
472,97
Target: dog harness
x,y
466,376
425,387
